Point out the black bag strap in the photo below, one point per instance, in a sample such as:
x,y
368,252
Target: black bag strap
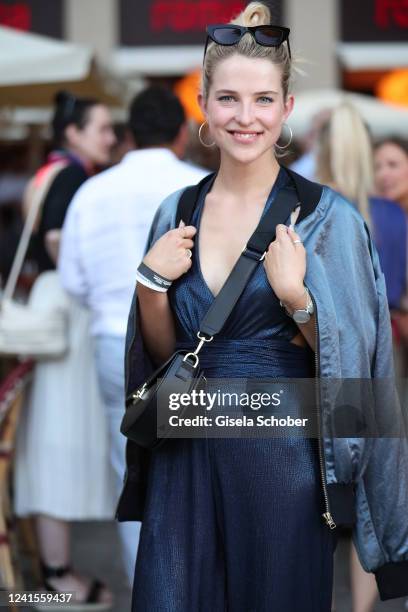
x,y
188,200
286,201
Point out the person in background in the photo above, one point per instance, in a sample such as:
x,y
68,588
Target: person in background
x,y
391,170
124,143
61,461
345,162
391,181
305,165
103,240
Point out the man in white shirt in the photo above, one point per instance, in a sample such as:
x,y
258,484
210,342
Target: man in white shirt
x,y
103,240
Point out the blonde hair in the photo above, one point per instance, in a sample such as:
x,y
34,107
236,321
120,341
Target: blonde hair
x,y
345,157
254,14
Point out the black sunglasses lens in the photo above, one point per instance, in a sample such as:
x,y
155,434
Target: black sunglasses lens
x,y
270,37
226,36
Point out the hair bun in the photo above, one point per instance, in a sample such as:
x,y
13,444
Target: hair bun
x,y
255,14
61,97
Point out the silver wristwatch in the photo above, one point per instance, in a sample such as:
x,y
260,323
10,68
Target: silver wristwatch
x,y
302,315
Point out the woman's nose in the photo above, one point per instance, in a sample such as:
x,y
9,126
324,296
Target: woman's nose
x,y
245,114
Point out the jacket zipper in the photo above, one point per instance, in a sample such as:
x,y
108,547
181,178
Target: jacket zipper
x,y
322,463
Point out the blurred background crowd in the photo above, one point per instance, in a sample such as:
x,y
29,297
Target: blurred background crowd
x,y
98,123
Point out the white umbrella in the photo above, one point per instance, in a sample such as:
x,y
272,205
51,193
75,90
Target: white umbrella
x,y
383,119
33,68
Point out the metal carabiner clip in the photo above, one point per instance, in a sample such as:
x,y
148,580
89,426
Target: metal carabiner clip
x,y
199,346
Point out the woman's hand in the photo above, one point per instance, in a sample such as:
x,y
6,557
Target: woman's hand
x,y
170,256
285,266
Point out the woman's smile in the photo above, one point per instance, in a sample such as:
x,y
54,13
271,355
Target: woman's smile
x,y
245,137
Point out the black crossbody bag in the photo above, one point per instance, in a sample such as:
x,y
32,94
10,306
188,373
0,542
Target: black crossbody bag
x,y
182,372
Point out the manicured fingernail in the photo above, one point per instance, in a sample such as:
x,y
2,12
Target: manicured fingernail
x,y
182,224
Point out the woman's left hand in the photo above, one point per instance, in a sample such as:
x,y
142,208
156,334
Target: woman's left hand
x,y
285,265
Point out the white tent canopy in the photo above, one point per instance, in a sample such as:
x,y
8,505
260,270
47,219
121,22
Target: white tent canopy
x,y
29,58
373,56
33,68
382,119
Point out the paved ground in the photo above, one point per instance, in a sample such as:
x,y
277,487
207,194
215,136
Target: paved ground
x,y
96,550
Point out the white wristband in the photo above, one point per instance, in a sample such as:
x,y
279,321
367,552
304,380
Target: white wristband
x,y
144,281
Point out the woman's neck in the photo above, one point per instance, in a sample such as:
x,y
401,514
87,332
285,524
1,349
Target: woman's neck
x,y
243,180
85,163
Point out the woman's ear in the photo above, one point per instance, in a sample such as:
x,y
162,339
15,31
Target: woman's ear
x,y
202,104
289,104
71,134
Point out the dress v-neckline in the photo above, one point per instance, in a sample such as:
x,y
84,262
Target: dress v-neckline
x,y
203,195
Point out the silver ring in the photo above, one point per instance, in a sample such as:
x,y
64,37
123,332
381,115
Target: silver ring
x,y
297,242
189,253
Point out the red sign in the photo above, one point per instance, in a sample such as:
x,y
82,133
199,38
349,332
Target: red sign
x,y
39,16
374,20
15,15
153,23
184,16
391,12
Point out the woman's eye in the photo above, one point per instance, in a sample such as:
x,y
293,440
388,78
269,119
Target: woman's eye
x,y
265,100
225,98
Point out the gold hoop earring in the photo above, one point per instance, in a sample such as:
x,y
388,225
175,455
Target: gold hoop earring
x,y
290,138
205,144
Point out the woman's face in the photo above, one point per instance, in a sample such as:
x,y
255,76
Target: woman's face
x,y
95,140
245,108
391,172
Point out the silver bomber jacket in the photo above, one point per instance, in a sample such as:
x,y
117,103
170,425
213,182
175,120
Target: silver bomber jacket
x,y
365,480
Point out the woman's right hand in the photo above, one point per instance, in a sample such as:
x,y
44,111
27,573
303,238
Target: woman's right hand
x,y
169,256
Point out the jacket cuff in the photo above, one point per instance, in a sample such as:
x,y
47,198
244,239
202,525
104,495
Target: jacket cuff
x,y
392,580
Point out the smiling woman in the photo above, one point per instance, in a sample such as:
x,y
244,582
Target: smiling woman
x,y
247,524
246,106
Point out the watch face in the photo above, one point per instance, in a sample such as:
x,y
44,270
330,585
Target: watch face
x,y
301,316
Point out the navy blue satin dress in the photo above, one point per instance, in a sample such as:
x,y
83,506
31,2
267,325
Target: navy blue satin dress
x,y
235,525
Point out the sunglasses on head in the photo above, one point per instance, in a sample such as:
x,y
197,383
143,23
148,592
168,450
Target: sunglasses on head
x,y
265,35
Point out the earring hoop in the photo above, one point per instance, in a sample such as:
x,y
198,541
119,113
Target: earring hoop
x,y
290,138
205,144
